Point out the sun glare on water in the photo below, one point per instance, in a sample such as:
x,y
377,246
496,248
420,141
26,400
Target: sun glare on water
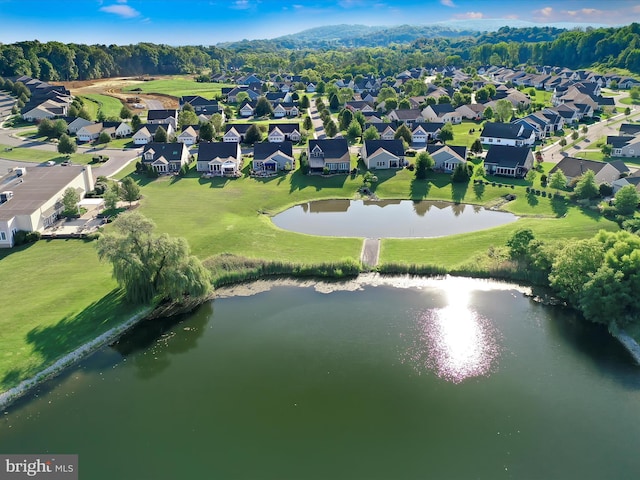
x,y
454,342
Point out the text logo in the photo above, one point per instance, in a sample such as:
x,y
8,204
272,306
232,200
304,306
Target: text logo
x,y
49,467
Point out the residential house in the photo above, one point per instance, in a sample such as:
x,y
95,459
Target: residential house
x,y
574,168
474,111
247,109
273,157
32,201
359,106
443,113
386,131
281,110
235,132
47,109
407,116
425,132
233,93
201,106
189,136
163,117
508,161
511,134
219,158
146,133
383,154
280,132
76,124
447,157
633,179
165,157
629,129
90,132
624,146
330,155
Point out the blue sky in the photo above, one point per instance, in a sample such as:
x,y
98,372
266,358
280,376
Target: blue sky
x,y
207,22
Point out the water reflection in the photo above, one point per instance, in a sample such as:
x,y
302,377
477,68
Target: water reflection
x,y
388,218
454,342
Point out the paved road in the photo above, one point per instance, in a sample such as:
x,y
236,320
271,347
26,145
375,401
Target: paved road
x,y
318,127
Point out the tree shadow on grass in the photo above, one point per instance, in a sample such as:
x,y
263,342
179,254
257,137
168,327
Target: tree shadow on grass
x,y
532,199
459,191
51,342
478,190
419,189
299,181
560,206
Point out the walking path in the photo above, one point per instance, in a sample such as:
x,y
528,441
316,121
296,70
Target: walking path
x,y
370,252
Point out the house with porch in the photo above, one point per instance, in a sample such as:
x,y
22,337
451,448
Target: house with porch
x,y
447,157
383,154
409,117
273,157
281,110
280,132
508,161
624,146
165,158
330,154
219,158
146,133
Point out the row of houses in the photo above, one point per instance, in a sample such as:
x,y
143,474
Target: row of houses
x,y
627,142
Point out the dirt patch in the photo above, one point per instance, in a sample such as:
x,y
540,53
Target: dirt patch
x,y
113,88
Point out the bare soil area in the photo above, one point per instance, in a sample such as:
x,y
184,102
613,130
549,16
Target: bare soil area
x,y
113,87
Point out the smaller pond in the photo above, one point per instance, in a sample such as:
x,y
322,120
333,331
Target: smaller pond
x,y
388,218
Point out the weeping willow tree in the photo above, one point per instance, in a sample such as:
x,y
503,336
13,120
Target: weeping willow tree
x,y
149,266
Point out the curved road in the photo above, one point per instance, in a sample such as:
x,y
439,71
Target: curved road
x,y
118,158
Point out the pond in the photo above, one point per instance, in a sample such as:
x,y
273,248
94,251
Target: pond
x,y
378,378
388,218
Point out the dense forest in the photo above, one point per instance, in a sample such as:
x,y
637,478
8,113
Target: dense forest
x,y
604,47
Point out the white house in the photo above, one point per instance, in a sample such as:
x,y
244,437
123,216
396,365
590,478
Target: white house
x,y
219,158
188,136
383,154
33,200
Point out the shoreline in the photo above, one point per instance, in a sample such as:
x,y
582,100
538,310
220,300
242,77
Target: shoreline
x,y
24,387
251,288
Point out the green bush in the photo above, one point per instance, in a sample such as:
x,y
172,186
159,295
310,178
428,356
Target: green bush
x,y
22,237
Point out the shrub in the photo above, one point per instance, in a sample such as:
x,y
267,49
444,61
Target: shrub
x,y
22,237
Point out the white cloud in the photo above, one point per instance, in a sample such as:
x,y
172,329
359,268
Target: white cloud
x,y
584,11
447,3
546,11
241,5
470,15
122,10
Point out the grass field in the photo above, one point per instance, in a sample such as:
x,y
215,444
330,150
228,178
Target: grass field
x,y
629,101
110,106
62,298
179,86
40,156
461,133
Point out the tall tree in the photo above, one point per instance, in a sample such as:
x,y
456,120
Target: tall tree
x,y
558,180
206,132
504,110
253,135
263,107
129,190
66,146
160,135
354,131
446,133
626,200
149,266
70,199
424,163
135,123
307,124
371,133
125,113
587,187
404,133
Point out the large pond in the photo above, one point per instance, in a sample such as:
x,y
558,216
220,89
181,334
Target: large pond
x,y
372,379
388,218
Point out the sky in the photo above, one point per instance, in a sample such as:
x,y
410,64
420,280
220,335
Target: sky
x,y
208,22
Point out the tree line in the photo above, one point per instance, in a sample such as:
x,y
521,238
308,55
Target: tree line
x,y
55,61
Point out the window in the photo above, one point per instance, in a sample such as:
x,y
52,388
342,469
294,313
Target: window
x,y
3,236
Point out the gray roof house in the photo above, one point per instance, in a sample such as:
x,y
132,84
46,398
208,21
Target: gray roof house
x,y
270,157
219,158
508,161
512,134
165,157
575,167
332,154
383,154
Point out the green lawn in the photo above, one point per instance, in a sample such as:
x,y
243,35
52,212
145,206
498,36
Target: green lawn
x,y
462,135
179,86
110,106
40,156
58,297
629,101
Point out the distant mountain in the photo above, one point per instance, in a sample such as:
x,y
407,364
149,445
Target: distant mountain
x,y
334,36
494,24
